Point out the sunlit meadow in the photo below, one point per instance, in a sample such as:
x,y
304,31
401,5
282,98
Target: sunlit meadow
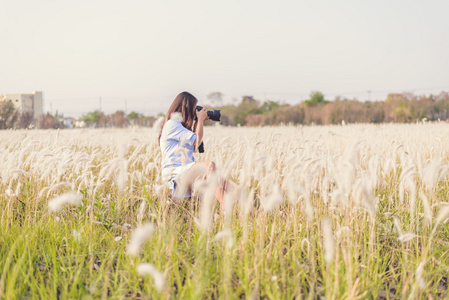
x,y
330,212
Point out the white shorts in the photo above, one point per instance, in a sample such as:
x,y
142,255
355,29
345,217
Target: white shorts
x,y
172,184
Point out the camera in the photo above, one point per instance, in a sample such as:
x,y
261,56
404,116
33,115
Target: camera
x,y
213,115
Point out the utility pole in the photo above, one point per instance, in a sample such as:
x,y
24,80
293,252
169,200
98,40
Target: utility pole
x,y
369,95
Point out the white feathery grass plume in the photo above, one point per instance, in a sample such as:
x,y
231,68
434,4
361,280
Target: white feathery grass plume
x,y
265,184
410,184
108,169
76,235
397,224
303,244
149,269
270,163
183,152
340,232
71,198
291,190
225,235
121,150
157,127
305,195
18,188
141,211
431,174
274,199
351,153
349,176
9,193
366,200
387,167
242,178
199,186
325,189
246,203
401,192
229,167
373,172
407,172
187,180
122,176
58,185
131,183
418,275
427,210
228,205
442,214
207,207
150,166
405,237
139,236
309,208
328,241
338,197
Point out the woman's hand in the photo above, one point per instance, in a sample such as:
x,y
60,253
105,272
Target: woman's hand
x,y
202,115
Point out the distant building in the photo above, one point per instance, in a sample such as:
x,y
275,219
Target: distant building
x,y
80,124
69,122
33,103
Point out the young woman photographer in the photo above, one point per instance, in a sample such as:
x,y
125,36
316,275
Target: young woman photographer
x,y
181,134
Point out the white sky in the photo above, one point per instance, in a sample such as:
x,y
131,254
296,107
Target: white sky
x,y
146,52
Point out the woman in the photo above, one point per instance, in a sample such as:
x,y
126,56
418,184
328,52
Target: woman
x,y
181,134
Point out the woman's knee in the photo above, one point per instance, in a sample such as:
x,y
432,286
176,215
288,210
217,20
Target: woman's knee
x,y
209,164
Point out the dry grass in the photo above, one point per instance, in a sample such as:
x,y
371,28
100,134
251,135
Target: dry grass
x,y
352,212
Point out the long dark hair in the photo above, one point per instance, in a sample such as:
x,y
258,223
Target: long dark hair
x,y
184,103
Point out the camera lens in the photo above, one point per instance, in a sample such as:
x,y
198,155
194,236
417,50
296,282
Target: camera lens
x,y
214,115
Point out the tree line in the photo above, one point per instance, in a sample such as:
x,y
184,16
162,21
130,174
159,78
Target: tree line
x,y
12,118
398,108
120,119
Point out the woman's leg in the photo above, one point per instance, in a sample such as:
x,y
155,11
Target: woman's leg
x,y
202,169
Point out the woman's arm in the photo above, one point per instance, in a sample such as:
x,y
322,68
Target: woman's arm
x,y
202,116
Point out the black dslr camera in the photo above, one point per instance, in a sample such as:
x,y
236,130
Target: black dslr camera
x,y
213,115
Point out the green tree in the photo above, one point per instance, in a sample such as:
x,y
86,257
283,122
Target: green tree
x,y
119,119
134,115
269,105
93,117
215,98
315,98
8,114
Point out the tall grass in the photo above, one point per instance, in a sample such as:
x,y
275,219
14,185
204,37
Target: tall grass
x,y
350,212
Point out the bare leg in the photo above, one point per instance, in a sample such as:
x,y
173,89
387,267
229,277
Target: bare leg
x,y
203,169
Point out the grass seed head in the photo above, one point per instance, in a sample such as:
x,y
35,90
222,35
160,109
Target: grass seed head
x,y
405,237
443,214
71,198
225,235
206,208
329,242
274,199
139,237
149,269
431,174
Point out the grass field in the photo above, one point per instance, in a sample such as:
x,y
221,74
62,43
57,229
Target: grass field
x,y
334,212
